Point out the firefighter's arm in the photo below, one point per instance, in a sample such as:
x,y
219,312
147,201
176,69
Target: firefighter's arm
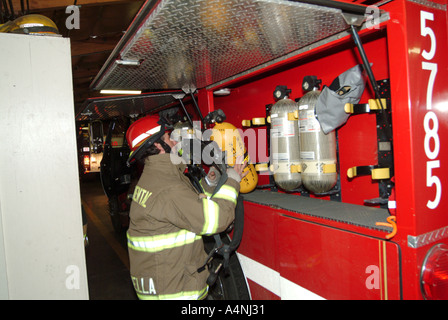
x,y
205,215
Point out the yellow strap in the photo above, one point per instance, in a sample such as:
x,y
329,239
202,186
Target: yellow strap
x,y
329,168
293,116
348,108
377,173
351,172
374,104
261,167
246,123
258,121
380,173
255,122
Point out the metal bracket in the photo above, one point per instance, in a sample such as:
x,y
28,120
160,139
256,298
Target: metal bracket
x,y
189,89
178,96
353,19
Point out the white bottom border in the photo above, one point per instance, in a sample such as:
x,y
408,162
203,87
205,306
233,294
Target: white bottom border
x,y
273,281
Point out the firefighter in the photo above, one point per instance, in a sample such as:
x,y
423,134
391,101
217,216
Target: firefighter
x,y
168,217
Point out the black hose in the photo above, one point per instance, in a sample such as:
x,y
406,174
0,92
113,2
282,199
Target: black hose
x,y
368,69
239,224
344,6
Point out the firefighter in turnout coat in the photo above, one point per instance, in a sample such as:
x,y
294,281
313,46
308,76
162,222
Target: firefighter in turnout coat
x,y
168,217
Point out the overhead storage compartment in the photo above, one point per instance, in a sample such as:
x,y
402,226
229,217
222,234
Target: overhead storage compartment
x,y
178,44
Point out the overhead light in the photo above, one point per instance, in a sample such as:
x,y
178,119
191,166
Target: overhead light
x,y
120,92
128,62
222,92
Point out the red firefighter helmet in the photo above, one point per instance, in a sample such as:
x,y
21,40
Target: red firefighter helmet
x,y
143,133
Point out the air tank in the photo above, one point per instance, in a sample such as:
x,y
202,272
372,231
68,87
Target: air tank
x,y
317,149
285,150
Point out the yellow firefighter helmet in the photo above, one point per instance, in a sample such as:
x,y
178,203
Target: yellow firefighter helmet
x,y
35,24
229,140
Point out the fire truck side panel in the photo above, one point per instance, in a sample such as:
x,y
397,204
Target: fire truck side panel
x,y
357,267
260,235
288,257
403,153
429,118
418,44
260,293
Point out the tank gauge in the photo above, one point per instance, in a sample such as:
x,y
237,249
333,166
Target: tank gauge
x,y
310,82
281,92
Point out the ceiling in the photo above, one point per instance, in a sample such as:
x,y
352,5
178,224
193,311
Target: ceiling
x,y
102,23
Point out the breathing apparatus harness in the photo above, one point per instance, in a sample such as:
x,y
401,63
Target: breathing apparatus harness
x,y
220,248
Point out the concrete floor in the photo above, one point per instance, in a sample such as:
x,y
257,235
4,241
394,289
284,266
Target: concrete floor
x,y
106,255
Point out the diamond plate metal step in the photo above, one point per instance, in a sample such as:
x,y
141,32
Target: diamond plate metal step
x,y
175,44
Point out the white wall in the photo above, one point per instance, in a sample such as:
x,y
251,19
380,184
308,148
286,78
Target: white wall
x,y
41,239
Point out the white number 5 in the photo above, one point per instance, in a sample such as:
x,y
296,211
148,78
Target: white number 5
x,y
431,180
427,31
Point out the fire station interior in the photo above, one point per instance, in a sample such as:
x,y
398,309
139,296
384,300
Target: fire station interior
x,y
219,62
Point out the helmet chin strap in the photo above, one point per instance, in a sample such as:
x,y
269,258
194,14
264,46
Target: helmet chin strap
x,y
164,145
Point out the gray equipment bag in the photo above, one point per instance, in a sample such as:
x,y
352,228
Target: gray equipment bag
x,y
346,88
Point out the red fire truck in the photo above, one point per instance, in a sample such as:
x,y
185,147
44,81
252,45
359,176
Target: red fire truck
x,y
90,147
380,230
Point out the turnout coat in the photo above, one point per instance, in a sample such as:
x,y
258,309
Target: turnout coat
x,y
167,219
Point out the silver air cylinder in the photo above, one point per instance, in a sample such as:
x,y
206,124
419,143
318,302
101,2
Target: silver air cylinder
x,y
285,150
317,150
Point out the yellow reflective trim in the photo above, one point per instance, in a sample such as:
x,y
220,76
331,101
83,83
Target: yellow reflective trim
x,y
162,242
211,216
227,193
184,295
